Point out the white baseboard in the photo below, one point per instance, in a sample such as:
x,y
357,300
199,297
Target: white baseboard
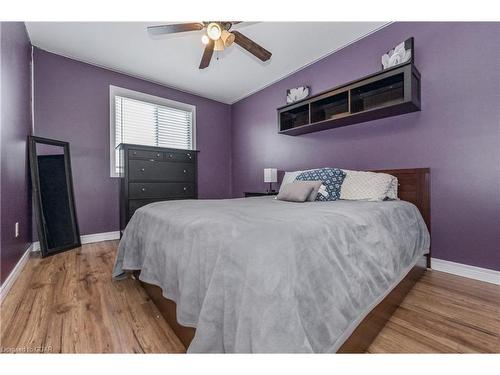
x,y
14,274
98,237
476,273
90,238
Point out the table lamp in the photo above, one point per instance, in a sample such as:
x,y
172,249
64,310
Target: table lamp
x,y
270,176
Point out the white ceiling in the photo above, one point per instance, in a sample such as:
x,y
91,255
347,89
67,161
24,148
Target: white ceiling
x,y
173,60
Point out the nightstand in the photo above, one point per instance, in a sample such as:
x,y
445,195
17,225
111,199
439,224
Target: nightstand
x,y
259,194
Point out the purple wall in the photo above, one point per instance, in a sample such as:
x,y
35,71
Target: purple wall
x,y
15,77
72,104
457,133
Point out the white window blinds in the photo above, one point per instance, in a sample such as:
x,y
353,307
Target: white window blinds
x,y
150,124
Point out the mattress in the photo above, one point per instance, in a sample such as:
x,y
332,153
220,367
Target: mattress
x,y
259,275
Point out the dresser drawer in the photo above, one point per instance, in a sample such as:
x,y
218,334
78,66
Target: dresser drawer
x,y
144,170
135,204
142,154
187,156
160,189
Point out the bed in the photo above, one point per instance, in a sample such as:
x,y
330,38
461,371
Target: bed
x,y
262,275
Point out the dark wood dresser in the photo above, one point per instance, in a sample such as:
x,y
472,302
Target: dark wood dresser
x,y
152,174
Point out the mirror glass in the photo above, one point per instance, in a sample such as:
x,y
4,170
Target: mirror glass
x,y
53,189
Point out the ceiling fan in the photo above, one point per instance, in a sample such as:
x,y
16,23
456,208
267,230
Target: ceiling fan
x,y
218,35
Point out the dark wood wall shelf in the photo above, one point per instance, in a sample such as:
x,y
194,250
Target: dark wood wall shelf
x,y
391,92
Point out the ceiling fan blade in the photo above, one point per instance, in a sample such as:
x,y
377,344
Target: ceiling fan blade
x,y
251,46
237,25
207,54
175,28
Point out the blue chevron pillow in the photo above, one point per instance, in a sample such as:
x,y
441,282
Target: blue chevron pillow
x,y
332,179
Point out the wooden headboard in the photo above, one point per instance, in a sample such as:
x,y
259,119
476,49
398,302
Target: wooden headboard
x,y
414,187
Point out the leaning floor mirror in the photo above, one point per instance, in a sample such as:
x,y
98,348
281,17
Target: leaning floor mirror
x,y
52,186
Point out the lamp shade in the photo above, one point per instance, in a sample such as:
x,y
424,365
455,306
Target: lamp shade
x,y
219,45
270,175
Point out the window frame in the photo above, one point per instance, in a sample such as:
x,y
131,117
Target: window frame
x,y
140,96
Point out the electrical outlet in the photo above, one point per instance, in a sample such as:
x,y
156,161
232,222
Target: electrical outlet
x,y
16,230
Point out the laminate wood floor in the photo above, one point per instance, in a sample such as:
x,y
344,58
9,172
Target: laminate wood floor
x,y
68,303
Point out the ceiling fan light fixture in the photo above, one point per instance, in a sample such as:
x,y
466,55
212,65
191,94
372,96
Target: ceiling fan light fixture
x,y
205,39
227,38
219,45
214,30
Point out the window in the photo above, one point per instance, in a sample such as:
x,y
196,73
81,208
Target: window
x,y
148,120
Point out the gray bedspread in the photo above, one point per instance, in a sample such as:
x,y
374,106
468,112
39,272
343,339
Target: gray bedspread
x,y
262,275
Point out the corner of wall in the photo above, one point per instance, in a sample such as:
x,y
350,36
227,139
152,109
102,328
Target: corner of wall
x,y
14,179
230,151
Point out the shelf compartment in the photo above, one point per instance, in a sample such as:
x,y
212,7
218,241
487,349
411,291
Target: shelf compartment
x,y
330,107
380,93
294,117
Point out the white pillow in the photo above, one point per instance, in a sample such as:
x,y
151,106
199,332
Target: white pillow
x,y
393,190
369,186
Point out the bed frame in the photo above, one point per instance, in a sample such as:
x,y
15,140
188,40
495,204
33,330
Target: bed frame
x,y
414,187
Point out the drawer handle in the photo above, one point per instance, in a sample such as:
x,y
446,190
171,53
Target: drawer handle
x,y
157,155
189,156
134,153
143,169
185,188
184,171
170,155
143,189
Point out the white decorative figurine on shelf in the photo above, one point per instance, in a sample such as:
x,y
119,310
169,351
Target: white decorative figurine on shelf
x,y
298,93
401,54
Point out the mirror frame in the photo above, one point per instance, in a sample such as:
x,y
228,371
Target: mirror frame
x,y
35,184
